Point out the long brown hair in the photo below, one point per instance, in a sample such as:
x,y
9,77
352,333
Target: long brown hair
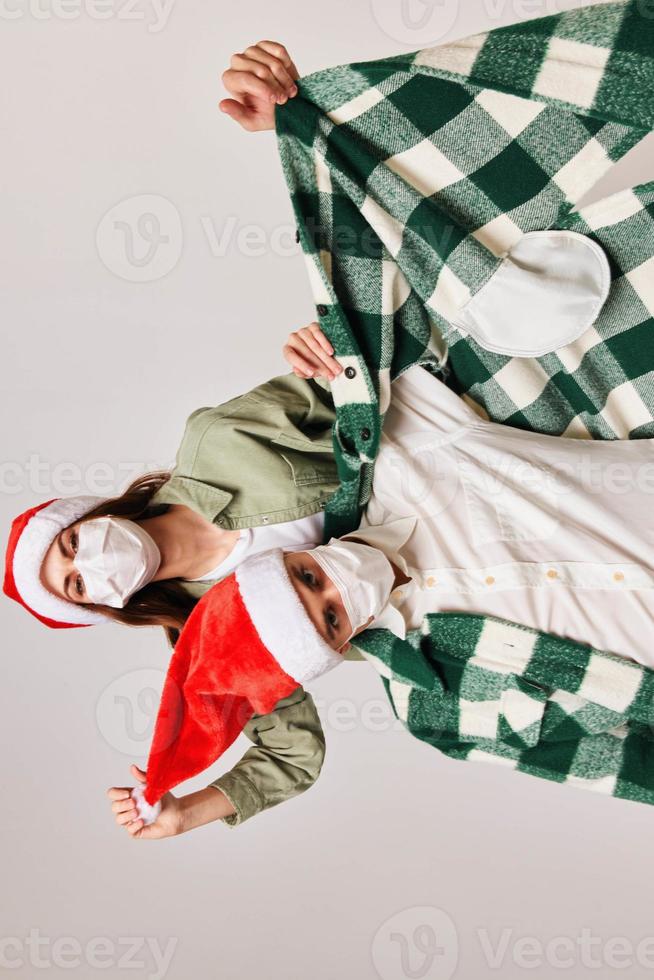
x,y
165,603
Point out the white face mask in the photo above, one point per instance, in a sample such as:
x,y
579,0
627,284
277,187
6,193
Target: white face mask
x,y
362,574
115,557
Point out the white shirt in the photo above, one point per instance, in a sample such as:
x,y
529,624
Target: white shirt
x,y
550,532
303,534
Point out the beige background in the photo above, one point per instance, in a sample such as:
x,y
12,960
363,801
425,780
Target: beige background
x,y
99,368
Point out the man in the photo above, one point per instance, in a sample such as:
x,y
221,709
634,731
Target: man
x,y
479,522
553,534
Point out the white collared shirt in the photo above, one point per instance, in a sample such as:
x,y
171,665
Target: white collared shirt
x,y
551,532
303,534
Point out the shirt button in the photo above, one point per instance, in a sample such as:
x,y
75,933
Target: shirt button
x,y
322,309
265,519
431,582
365,434
350,372
619,576
221,521
552,573
490,580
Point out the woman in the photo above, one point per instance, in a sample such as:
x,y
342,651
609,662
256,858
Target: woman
x,y
254,471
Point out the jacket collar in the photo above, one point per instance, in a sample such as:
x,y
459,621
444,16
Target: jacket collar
x,y
199,496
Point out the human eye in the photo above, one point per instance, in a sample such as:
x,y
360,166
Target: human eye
x,y
74,541
308,578
332,619
79,585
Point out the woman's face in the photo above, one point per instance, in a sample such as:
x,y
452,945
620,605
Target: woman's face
x,y
58,573
320,598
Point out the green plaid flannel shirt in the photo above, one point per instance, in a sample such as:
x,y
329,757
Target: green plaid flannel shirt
x,y
411,177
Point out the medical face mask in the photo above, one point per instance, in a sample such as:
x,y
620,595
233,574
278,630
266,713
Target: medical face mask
x,y
115,557
362,574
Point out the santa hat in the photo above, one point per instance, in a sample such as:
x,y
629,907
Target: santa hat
x,y
247,643
32,533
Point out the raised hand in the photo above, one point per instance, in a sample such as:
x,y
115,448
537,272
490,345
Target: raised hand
x,y
167,824
259,78
310,354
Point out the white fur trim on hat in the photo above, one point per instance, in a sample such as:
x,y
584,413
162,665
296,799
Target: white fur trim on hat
x,y
37,536
280,618
146,812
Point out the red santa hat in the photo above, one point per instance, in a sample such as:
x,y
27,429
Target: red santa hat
x,y
32,533
247,643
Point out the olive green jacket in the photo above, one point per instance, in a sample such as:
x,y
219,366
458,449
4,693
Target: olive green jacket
x,y
262,458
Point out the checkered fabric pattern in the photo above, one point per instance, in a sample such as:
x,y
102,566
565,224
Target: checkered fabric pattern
x,y
411,177
487,690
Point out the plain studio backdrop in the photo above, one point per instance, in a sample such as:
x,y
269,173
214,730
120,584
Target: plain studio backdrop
x,y
149,268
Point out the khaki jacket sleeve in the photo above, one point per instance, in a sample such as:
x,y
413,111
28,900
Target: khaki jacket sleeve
x,y
285,760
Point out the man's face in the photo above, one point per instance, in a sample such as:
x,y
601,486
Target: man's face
x,y
320,598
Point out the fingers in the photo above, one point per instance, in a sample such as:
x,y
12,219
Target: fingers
x,y
300,366
123,806
127,816
320,337
279,52
319,350
239,113
140,774
134,828
274,90
303,361
119,792
244,83
267,68
308,359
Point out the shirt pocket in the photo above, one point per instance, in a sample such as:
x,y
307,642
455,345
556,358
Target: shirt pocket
x,y
507,497
307,463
